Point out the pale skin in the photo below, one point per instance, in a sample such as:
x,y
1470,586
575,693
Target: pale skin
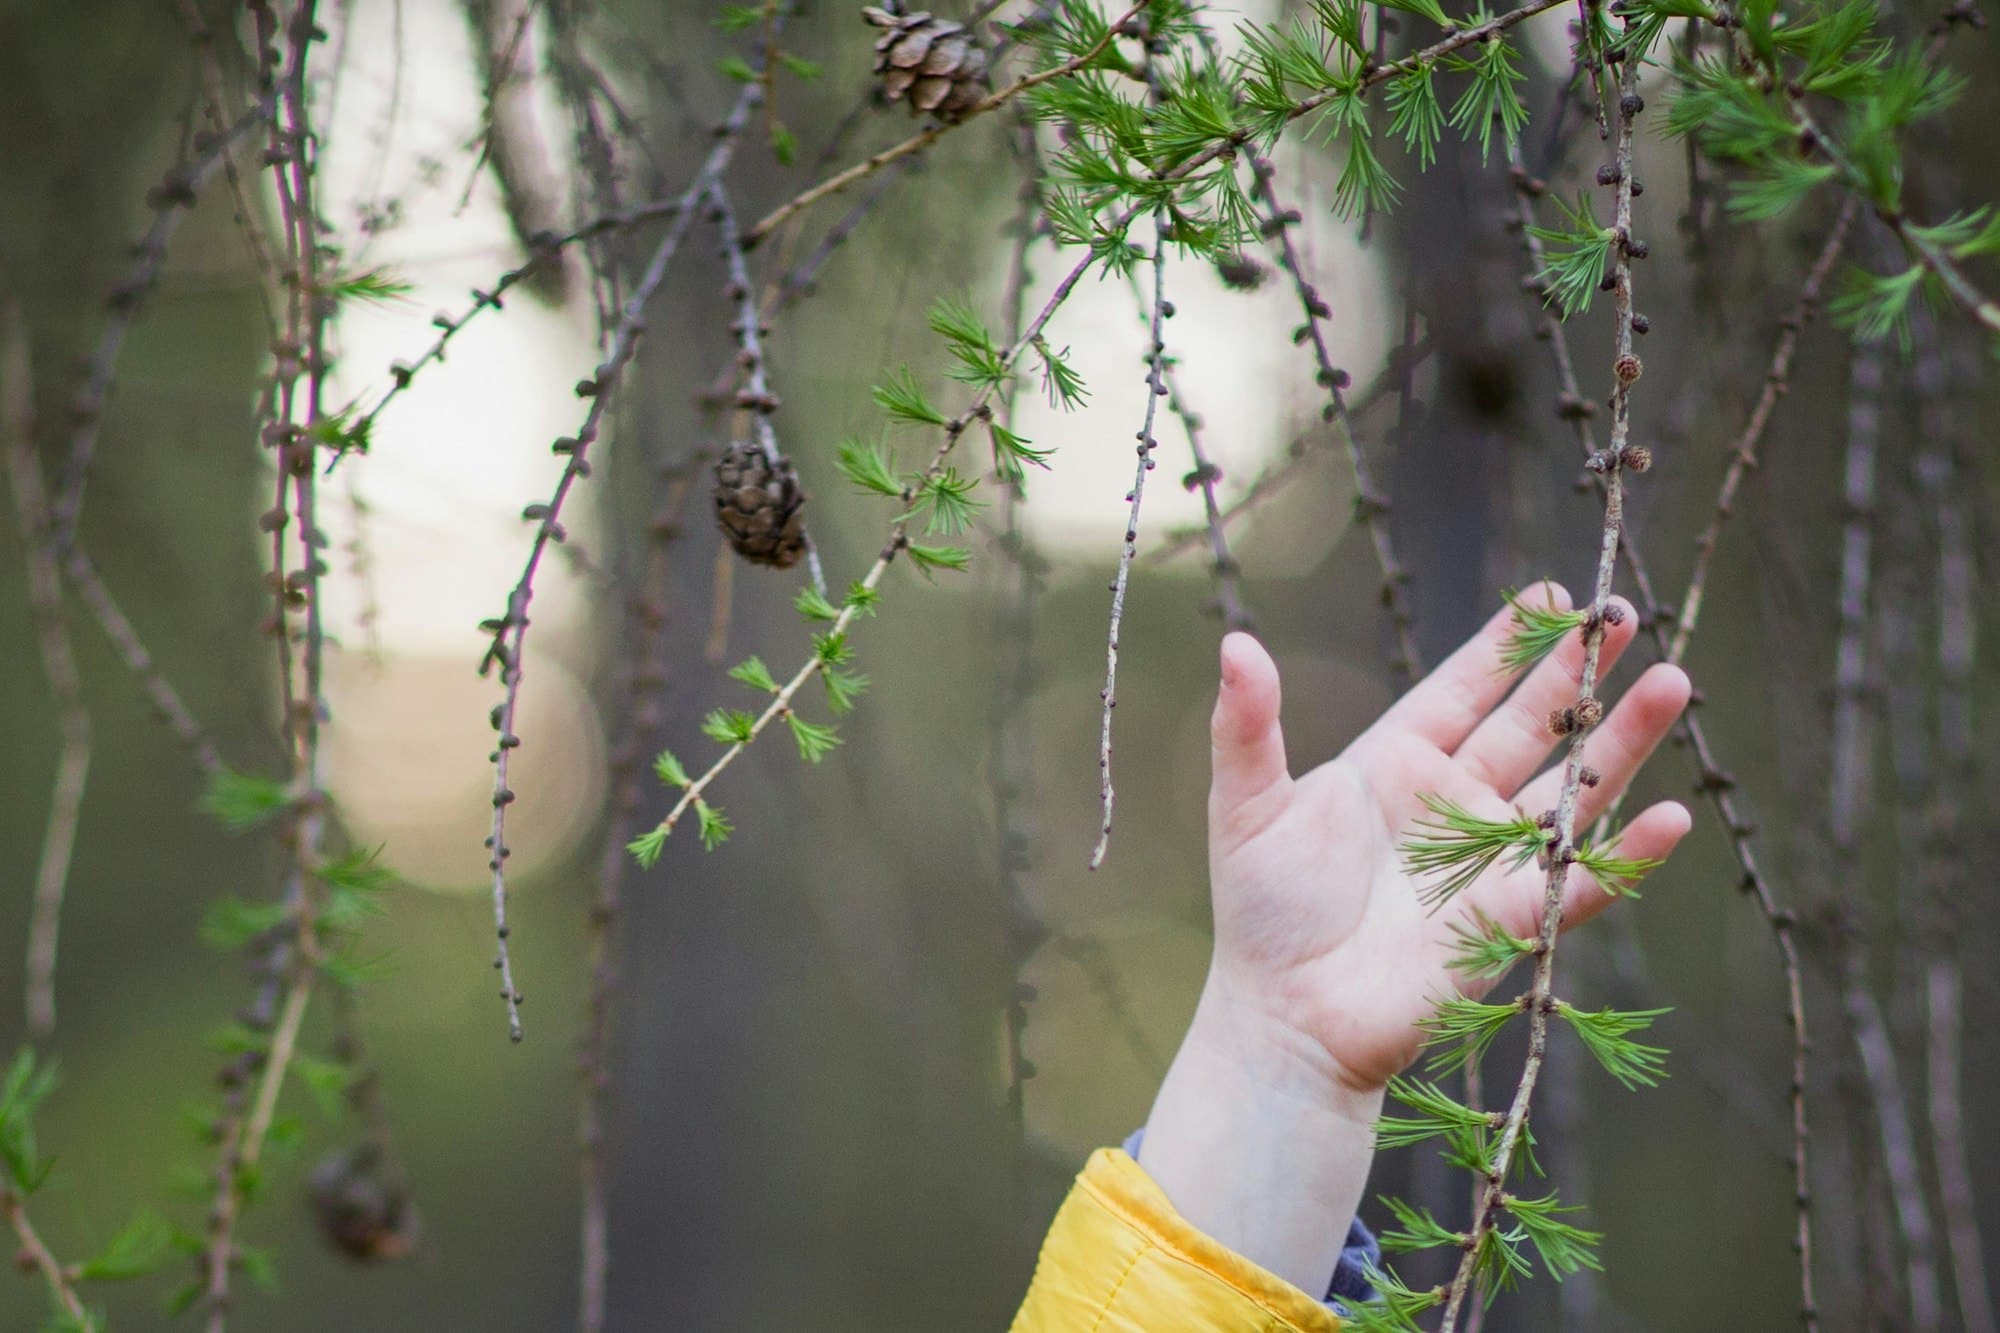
x,y
1325,961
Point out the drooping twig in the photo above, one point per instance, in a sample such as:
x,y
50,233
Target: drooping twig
x,y
1743,454
1540,997
1712,780
510,630
1010,740
756,397
1289,463
52,636
898,541
1156,389
36,1257
916,143
1371,505
171,200
292,961
168,706
642,718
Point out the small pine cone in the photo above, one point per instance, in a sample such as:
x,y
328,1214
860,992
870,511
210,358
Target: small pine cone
x,y
933,62
760,507
1589,711
1561,721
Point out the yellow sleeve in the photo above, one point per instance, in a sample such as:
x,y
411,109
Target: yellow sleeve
x,y
1119,1259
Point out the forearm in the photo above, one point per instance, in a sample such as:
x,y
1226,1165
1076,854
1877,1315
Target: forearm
x,y
1258,1143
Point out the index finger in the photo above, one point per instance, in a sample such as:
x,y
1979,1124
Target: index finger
x,y
1446,705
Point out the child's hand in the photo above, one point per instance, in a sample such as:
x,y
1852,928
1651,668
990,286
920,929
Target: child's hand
x,y
1317,923
1325,958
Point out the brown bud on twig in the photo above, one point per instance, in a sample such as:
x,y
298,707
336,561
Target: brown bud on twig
x,y
1628,368
1589,711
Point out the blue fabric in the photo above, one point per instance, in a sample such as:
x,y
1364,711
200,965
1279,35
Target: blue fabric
x,y
1359,1254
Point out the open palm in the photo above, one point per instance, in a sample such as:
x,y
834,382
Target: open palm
x,y
1317,922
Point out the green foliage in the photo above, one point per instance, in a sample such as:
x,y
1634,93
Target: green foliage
x,y
1011,454
1537,631
1615,874
646,848
1877,306
1490,98
930,559
1417,1229
1454,847
948,498
231,923
668,769
729,726
714,825
27,1085
899,396
1462,1029
1064,387
1435,1114
376,286
1576,254
1606,1034
1487,951
815,740
752,672
866,463
1563,1247
1395,1307
978,361
243,802
1416,113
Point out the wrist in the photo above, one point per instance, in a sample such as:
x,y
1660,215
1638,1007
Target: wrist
x,y
1260,1140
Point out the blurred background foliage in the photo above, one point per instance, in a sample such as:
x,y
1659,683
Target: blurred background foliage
x,y
810,1120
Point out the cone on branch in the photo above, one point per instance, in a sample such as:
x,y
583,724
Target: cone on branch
x,y
760,506
934,63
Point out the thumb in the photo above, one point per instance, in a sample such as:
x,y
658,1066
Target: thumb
x,y
1248,749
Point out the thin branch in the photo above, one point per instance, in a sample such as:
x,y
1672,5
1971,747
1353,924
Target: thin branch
x,y
36,1256
1743,454
1540,999
756,397
898,541
510,630
1156,389
918,142
171,200
1712,780
1371,505
52,636
1290,463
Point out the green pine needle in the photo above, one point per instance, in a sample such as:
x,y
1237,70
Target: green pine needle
x,y
241,801
843,689
1436,1114
867,465
1565,1249
715,826
1537,631
1607,1036
930,559
377,286
1487,951
729,726
816,740
1576,255
1455,847
752,672
646,848
1616,874
952,508
900,397
811,603
1419,1229
1462,1029
669,769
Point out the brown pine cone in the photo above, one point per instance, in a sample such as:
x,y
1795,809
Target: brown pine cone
x,y
935,62
760,507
